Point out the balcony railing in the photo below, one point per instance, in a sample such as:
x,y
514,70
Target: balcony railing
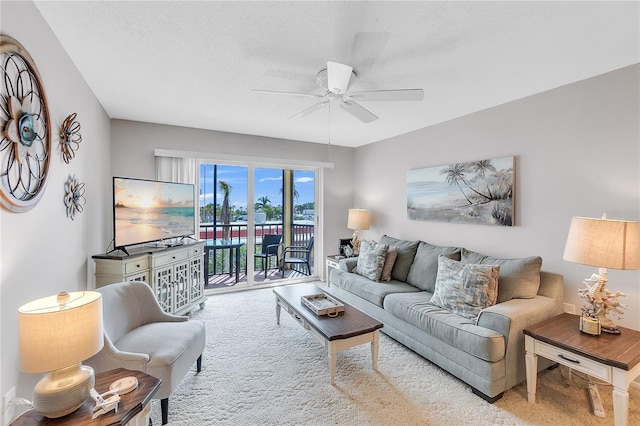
x,y
237,232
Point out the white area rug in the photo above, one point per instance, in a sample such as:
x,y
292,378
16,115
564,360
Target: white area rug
x,y
258,373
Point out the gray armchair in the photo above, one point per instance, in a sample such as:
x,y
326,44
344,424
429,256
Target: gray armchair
x,y
139,335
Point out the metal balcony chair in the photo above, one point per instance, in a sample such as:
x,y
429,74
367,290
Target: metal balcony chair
x,y
270,244
298,255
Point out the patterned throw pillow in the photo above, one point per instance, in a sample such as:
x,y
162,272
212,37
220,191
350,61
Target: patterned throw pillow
x,y
389,261
465,289
371,259
519,278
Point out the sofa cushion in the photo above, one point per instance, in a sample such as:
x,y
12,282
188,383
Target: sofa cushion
x,y
519,278
371,259
424,270
465,288
374,292
389,261
406,253
450,328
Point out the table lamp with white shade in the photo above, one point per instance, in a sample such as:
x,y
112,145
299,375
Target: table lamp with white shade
x,y
56,334
605,244
357,220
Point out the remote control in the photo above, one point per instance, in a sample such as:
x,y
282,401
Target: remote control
x,y
596,402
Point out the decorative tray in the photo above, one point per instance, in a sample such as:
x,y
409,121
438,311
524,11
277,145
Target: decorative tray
x,y
322,304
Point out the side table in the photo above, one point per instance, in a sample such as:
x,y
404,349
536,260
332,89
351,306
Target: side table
x,y
612,358
332,262
133,409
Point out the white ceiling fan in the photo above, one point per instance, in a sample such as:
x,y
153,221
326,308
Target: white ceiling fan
x,y
335,81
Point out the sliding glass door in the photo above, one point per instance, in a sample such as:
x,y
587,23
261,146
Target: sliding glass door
x,y
223,223
251,217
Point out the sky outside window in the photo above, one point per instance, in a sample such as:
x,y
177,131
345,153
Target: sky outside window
x,y
268,183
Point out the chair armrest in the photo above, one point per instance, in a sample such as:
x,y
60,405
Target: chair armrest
x,y
295,250
271,246
154,313
150,310
110,358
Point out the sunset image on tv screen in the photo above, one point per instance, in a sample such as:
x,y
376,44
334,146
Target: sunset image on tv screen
x,y
147,211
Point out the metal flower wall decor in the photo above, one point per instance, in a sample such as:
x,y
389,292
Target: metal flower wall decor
x,y
74,199
70,137
25,144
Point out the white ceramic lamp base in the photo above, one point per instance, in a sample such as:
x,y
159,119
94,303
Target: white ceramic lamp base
x,y
63,391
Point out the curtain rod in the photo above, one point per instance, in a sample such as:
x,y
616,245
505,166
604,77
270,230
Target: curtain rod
x,y
240,159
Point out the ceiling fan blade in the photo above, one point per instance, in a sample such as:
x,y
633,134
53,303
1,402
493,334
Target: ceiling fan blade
x,y
311,109
358,111
389,95
338,76
276,92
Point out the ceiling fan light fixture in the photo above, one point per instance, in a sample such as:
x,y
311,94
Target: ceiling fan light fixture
x,y
335,80
339,76
323,80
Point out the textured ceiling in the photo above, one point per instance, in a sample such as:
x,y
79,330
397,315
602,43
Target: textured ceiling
x,y
193,64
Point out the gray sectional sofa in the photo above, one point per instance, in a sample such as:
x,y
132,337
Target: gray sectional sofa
x,y
486,352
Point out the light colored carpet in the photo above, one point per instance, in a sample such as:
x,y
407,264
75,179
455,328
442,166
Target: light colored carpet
x,y
258,373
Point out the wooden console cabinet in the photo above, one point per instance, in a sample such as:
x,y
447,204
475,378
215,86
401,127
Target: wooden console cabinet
x,y
176,274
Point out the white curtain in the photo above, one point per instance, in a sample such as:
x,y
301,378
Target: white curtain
x,y
182,170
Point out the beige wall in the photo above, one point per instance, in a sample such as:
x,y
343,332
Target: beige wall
x,y
42,251
577,152
133,145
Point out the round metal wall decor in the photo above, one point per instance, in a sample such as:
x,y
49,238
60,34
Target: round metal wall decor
x,y
70,137
25,147
74,199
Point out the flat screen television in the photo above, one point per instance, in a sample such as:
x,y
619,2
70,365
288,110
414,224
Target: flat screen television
x,y
147,211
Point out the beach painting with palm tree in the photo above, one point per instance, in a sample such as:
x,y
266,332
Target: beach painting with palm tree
x,y
479,192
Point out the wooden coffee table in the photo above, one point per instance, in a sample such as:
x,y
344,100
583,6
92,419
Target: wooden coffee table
x,y
613,358
350,328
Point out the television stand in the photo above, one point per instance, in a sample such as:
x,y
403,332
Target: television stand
x,y
122,249
175,274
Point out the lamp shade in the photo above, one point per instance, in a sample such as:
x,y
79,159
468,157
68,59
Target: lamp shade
x,y
358,219
603,243
58,331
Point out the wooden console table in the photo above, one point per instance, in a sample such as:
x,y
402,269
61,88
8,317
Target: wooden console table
x,y
175,274
133,408
613,358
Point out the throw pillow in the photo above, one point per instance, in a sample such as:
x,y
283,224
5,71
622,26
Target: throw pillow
x,y
389,261
519,278
465,289
405,257
371,259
